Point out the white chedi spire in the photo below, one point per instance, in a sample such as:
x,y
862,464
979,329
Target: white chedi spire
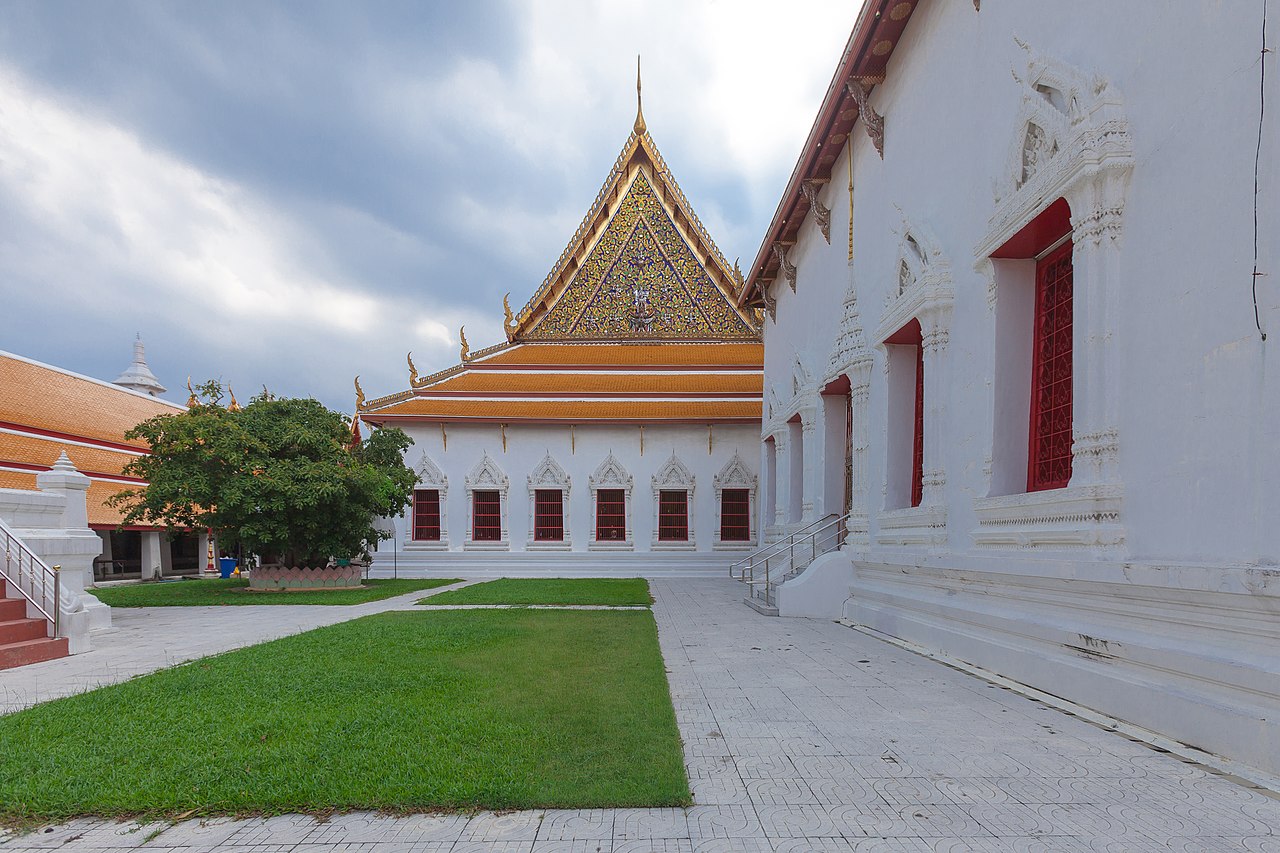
x,y
139,377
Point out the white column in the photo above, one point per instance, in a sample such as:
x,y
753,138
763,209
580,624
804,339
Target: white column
x,y
151,559
782,477
935,337
811,460
859,374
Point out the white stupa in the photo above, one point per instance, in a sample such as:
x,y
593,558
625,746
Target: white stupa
x,y
139,377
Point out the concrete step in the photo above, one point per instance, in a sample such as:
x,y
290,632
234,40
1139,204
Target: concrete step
x,y
760,607
18,630
32,651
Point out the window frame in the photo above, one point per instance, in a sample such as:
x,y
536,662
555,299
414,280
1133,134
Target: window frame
x,y
416,524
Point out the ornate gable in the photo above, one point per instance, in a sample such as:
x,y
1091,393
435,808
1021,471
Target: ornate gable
x,y
487,475
429,473
640,267
549,473
611,475
735,474
673,473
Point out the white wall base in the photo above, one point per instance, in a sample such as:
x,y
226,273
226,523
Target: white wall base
x,y
627,564
1188,653
820,590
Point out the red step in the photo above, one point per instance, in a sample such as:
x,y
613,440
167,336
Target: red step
x,y
18,630
23,640
12,608
32,651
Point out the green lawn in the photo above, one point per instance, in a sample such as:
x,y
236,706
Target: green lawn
x,y
199,593
499,709
614,592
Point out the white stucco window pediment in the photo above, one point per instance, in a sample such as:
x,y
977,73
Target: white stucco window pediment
x,y
673,476
430,476
611,474
549,474
487,476
736,474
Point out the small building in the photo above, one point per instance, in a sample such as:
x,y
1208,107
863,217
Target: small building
x,y
1023,311
615,431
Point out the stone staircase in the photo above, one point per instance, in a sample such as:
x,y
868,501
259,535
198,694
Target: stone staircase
x,y
777,562
24,640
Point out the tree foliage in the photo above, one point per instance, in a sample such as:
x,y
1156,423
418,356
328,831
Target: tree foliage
x,y
281,477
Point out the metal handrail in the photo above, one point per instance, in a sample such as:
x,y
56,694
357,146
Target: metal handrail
x,y
34,580
811,532
779,546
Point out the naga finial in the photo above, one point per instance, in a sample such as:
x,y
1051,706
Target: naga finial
x,y
737,274
233,406
639,125
413,371
466,348
191,400
359,396
508,323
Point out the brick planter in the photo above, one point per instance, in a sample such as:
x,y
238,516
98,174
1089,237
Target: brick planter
x,y
286,578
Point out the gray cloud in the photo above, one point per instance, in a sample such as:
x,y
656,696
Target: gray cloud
x,y
290,194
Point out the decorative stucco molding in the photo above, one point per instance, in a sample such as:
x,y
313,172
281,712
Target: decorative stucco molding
x,y
1071,141
918,526
1073,518
735,474
430,476
611,474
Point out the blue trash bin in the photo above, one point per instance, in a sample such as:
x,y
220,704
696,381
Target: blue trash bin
x,y
226,565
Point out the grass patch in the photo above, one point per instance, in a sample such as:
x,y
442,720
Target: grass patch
x,y
612,592
216,591
505,709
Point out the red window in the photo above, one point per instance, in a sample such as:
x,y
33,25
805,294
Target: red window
x,y
426,515
486,516
611,515
548,515
735,515
673,516
1049,456
917,447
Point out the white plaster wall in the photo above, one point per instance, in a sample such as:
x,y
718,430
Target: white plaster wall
x,y
580,456
1196,399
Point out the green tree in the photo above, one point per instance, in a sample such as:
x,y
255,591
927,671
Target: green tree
x,y
281,478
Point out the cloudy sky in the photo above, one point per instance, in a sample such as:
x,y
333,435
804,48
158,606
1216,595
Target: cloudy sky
x,y
292,193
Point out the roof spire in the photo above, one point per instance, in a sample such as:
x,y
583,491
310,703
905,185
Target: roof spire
x,y
138,377
639,126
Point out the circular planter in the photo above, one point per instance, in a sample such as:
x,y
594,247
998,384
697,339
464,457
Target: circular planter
x,y
295,578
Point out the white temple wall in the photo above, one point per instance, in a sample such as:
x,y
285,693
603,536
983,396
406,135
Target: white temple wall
x,y
580,453
1149,588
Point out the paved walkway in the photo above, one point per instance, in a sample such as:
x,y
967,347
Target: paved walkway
x,y
800,736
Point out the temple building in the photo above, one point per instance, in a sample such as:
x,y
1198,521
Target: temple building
x,y
46,411
615,431
1022,307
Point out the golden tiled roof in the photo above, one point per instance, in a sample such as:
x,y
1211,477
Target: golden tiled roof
x,y
710,355
45,412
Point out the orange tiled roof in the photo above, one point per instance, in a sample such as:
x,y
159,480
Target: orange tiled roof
x,y
44,397
603,382
417,408
36,399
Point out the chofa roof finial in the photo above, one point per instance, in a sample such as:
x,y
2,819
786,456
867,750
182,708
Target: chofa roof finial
x,y
639,127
